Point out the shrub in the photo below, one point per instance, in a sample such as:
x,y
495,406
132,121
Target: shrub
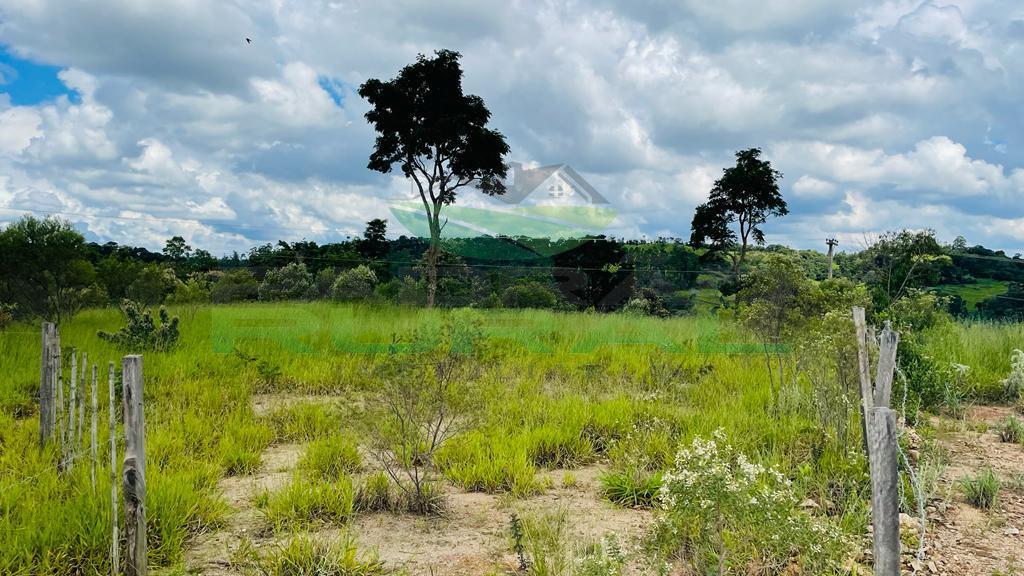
x,y
193,291
1013,385
1010,429
236,286
529,295
6,315
729,513
331,458
982,489
680,302
290,282
140,332
324,281
375,494
306,501
152,284
355,284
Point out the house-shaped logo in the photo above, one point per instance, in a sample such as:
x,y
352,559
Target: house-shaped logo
x,y
552,184
552,201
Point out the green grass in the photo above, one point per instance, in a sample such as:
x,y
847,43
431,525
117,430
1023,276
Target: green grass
x,y
305,502
331,458
306,556
551,391
983,289
982,489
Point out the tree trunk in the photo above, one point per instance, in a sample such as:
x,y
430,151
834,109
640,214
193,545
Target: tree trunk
x,y
432,255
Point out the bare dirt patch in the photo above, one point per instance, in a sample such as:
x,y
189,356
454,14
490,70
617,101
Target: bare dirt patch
x,y
964,540
472,538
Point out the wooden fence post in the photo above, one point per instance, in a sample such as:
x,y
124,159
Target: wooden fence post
x,y
885,504
133,476
890,341
93,448
115,540
880,437
46,388
58,383
69,431
81,403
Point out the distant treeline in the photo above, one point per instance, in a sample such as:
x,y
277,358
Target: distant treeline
x,y
49,270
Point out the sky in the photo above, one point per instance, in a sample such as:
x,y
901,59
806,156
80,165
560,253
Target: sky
x,y
138,120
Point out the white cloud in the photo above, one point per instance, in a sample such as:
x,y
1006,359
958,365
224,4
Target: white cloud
x,y
905,106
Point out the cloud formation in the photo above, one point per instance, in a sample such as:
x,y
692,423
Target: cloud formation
x,y
881,114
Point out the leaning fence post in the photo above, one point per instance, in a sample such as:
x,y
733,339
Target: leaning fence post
x,y
46,408
885,511
115,540
134,474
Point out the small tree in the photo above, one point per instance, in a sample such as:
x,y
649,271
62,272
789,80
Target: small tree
x,y
423,404
775,302
43,268
746,194
290,282
354,284
141,332
438,136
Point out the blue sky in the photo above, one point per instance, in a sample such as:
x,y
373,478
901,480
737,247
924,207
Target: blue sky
x,y
141,121
27,83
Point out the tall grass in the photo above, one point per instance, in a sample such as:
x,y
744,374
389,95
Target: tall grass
x,y
553,391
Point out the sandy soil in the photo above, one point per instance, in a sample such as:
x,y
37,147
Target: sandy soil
x,y
470,539
963,540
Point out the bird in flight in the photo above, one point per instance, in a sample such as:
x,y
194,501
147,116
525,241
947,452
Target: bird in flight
x,y
248,41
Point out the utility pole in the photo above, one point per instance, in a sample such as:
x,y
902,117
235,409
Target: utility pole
x,y
832,243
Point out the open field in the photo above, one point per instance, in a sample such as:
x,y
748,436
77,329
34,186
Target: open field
x,y
982,289
253,442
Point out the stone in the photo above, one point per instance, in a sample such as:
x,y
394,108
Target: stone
x,y
1011,531
809,503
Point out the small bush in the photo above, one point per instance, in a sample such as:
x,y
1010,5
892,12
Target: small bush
x,y
1013,385
324,281
236,286
1010,429
375,494
290,282
6,315
529,295
355,284
307,501
569,480
331,458
140,332
982,489
194,291
732,514
305,556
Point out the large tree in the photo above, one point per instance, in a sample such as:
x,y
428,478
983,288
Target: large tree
x,y
438,136
43,268
746,195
